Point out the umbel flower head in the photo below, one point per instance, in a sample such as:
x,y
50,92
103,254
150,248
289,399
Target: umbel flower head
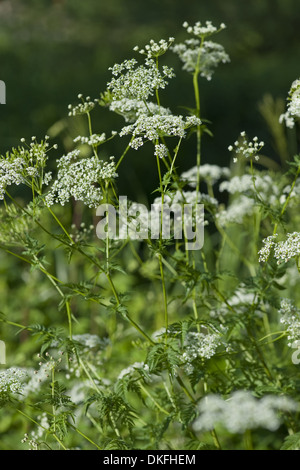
x,y
25,165
132,109
208,172
155,49
283,251
246,149
242,411
85,106
11,380
154,127
79,178
290,318
133,81
197,346
199,54
293,109
201,30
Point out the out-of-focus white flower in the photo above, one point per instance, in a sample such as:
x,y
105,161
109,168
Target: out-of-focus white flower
x,y
242,411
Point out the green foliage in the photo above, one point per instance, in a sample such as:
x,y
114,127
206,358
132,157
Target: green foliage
x,y
142,343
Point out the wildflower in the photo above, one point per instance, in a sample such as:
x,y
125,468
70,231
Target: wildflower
x,y
269,243
246,149
263,184
78,178
93,140
203,56
210,173
283,251
200,30
197,346
242,411
91,341
241,207
290,318
161,151
154,49
131,369
288,119
23,165
11,380
132,109
293,108
153,127
84,107
138,82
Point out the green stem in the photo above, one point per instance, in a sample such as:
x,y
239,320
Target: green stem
x,y
124,153
46,430
85,436
153,400
165,300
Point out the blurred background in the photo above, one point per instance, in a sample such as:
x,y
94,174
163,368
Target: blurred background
x,y
51,50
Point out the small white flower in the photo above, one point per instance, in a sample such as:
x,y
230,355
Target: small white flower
x,y
246,149
78,178
208,172
283,251
212,54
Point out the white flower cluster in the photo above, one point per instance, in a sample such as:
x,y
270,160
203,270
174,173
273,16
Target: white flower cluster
x,y
21,165
206,56
265,251
32,443
11,172
235,213
186,197
242,411
290,318
161,151
32,440
246,149
78,178
210,173
293,109
245,188
84,107
264,184
131,369
138,82
155,49
200,30
93,140
132,109
283,250
153,127
11,380
91,341
199,346
81,233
